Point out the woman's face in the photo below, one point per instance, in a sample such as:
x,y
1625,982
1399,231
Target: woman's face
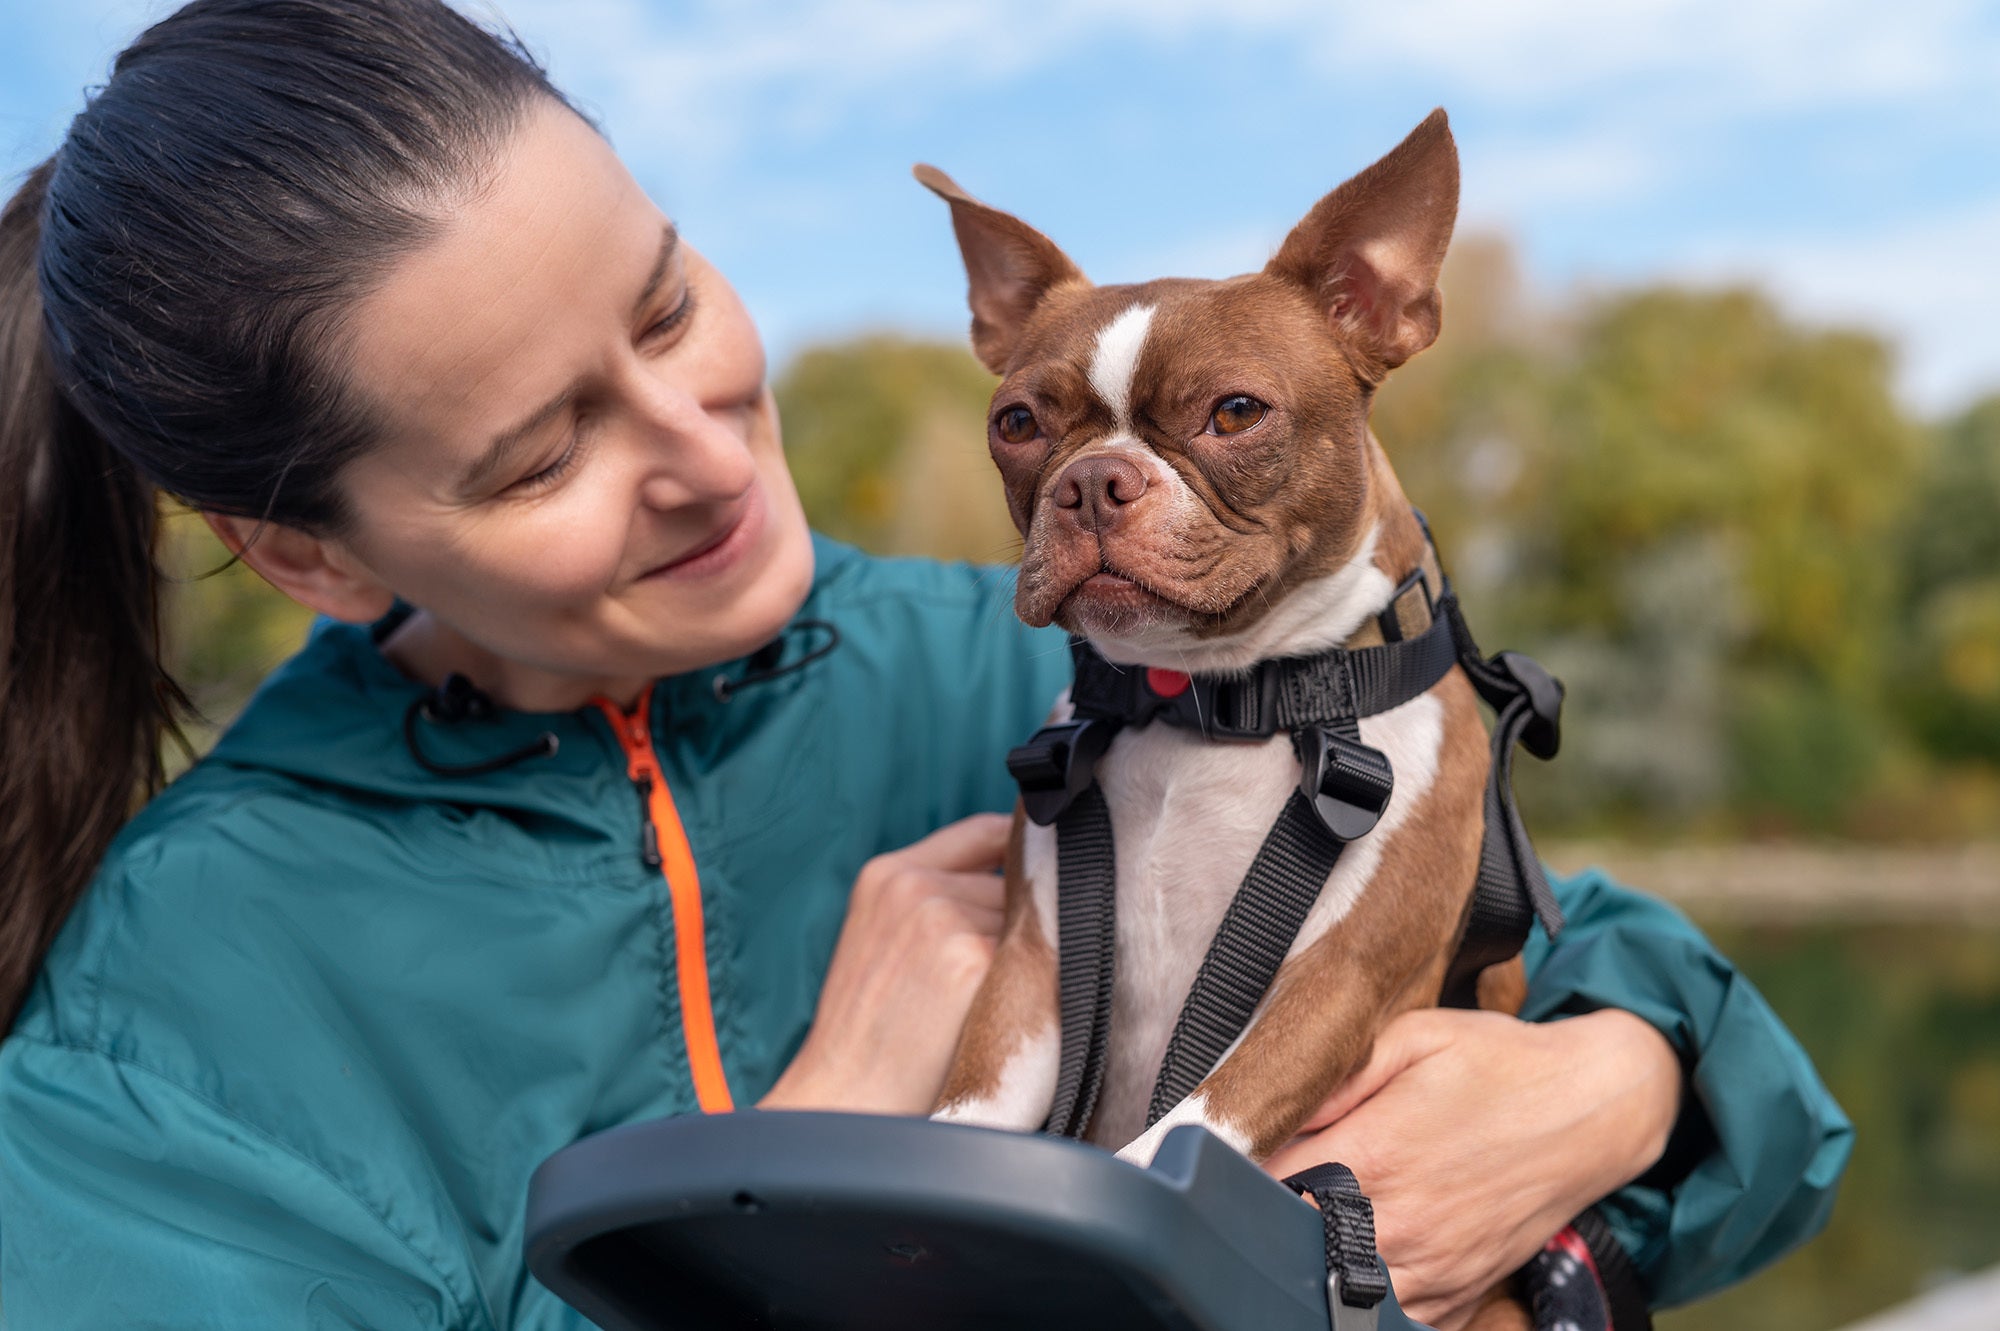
x,y
580,474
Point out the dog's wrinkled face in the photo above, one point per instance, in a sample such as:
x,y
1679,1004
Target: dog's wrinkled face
x,y
1180,456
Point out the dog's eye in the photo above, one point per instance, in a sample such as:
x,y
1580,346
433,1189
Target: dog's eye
x,y
1016,425
1235,414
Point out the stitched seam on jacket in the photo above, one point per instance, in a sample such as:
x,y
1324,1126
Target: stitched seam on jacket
x,y
464,1306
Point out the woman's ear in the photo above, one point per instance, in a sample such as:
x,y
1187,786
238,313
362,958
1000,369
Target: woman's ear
x,y
318,573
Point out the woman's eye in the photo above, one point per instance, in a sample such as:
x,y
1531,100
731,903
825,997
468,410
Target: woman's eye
x,y
1235,414
549,475
674,318
1016,425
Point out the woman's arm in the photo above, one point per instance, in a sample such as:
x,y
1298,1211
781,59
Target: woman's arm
x,y
1760,1144
1672,1081
1477,1136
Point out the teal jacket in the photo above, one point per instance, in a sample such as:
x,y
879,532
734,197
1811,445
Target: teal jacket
x,y
295,1055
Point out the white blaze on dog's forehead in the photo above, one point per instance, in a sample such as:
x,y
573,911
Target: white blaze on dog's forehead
x,y
1116,359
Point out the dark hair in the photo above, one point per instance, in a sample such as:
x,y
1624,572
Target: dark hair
x,y
171,286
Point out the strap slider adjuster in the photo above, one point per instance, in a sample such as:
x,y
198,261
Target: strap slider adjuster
x,y
1543,735
1348,782
1057,764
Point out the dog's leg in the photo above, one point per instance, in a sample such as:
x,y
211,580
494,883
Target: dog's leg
x,y
1004,1074
1317,1027
1503,987
1386,955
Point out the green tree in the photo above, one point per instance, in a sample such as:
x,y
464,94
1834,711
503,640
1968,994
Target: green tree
x,y
887,441
1948,685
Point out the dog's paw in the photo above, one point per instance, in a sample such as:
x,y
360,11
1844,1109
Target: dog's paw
x,y
1193,1110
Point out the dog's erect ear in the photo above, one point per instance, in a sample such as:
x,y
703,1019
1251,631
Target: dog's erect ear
x,y
1009,267
1370,251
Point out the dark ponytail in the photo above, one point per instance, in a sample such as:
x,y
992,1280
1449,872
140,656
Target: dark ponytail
x,y
83,699
171,285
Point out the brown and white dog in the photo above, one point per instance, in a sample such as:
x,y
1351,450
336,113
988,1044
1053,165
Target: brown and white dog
x,y
1191,467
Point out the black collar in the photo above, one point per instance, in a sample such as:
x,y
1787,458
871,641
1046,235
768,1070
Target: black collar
x,y
1286,694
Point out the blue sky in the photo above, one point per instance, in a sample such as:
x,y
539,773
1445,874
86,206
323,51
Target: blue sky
x,y
1845,154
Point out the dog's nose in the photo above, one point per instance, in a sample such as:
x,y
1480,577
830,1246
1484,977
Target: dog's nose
x,y
1096,492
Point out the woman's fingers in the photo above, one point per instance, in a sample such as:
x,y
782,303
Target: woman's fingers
x,y
975,891
921,929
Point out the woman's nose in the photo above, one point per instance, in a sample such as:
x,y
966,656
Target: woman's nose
x,y
693,451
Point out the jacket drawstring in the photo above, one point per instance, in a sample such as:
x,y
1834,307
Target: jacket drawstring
x,y
459,699
763,663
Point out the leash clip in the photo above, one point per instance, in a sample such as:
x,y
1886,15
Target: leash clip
x,y
1057,764
1348,782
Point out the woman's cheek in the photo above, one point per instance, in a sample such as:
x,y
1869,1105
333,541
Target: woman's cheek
x,y
557,553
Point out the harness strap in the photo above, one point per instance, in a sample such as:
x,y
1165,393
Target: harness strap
x,y
1274,696
1354,1271
1510,890
1087,947
1257,931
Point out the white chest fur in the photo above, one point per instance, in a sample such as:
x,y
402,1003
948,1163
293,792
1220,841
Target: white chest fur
x,y
1187,817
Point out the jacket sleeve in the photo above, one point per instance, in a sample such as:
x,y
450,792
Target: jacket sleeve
x,y
1752,1165
185,1216
979,682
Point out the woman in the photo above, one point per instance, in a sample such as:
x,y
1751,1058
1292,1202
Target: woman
x,y
705,828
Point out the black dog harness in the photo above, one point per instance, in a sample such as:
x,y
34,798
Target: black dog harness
x,y
1344,786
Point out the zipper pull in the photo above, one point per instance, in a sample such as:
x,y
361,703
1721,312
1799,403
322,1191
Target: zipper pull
x,y
649,836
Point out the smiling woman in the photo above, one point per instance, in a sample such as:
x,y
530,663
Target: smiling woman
x,y
349,278
576,470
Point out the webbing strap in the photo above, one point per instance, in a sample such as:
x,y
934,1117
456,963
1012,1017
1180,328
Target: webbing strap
x,y
1349,1220
1273,697
1086,921
1624,1290
1256,932
1510,891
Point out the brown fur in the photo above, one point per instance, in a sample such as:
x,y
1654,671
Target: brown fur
x,y
1017,998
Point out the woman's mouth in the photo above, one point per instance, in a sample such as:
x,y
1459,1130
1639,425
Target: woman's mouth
x,y
722,548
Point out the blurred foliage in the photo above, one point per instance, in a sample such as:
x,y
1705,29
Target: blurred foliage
x,y
1775,597
227,628
887,440
1903,1023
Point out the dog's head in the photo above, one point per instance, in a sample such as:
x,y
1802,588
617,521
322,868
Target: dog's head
x,y
1184,456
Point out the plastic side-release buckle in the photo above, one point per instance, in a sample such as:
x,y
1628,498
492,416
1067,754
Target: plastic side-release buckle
x,y
1237,709
1348,782
1057,764
1543,735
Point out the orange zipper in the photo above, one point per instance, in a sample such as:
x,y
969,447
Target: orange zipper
x,y
663,845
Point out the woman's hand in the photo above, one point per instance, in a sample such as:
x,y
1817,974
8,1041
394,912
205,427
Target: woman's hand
x,y
920,932
1478,1136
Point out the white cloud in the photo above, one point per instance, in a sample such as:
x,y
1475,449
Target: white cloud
x,y
1931,284
708,64
1507,176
